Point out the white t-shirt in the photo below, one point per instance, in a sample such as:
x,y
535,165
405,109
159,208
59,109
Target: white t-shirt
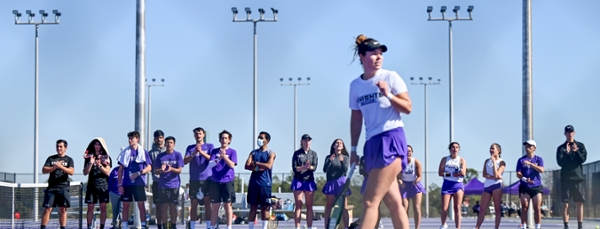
x,y
377,110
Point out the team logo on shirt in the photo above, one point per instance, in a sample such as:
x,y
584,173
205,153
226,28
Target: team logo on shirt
x,y
368,98
64,163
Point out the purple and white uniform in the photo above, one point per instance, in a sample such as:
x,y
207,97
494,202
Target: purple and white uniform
x,y
452,184
492,184
385,136
409,175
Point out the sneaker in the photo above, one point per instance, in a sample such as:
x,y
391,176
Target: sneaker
x,y
445,226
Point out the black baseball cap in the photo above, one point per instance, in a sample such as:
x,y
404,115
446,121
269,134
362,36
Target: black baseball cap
x,y
306,137
569,129
159,133
372,45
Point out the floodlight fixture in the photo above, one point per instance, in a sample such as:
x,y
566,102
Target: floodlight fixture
x,y
234,11
261,11
17,16
290,79
420,78
412,78
443,10
275,11
308,78
470,9
248,12
281,79
429,9
456,9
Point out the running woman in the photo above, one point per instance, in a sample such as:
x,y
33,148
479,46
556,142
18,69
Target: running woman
x,y
169,165
97,168
493,169
304,163
157,148
198,156
134,164
529,171
452,168
336,166
221,190
260,162
60,167
411,187
378,97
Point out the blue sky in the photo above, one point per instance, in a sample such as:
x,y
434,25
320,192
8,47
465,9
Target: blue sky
x,y
87,74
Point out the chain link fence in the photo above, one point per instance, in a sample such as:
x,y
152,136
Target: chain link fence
x,y
551,180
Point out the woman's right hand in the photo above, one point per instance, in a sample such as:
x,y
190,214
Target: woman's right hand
x,y
121,190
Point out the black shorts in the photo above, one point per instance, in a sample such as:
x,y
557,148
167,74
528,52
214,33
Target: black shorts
x,y
572,190
57,197
155,193
199,186
532,192
222,192
133,192
169,195
259,196
95,195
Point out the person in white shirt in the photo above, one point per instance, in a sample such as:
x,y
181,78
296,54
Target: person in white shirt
x,y
411,187
453,169
378,96
493,169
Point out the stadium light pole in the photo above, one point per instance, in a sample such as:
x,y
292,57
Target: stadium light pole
x,y
30,21
149,112
295,84
425,84
527,89
254,21
451,74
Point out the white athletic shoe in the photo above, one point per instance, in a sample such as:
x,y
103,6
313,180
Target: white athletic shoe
x,y
445,226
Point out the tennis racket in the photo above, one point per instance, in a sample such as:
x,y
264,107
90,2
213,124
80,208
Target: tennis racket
x,y
337,209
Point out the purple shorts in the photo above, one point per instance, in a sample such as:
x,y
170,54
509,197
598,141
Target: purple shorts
x,y
451,187
335,187
410,190
383,149
307,186
492,188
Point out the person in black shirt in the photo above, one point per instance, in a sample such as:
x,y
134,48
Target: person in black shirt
x,y
59,166
304,162
570,156
97,168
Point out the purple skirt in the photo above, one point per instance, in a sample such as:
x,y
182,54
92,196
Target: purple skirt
x,y
335,187
492,188
410,190
307,186
383,149
451,187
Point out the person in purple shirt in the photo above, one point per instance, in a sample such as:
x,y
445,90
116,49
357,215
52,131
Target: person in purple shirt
x,y
169,165
222,178
134,164
529,171
115,196
198,156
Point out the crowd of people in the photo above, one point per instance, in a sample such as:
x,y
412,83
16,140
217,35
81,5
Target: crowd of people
x,y
377,98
